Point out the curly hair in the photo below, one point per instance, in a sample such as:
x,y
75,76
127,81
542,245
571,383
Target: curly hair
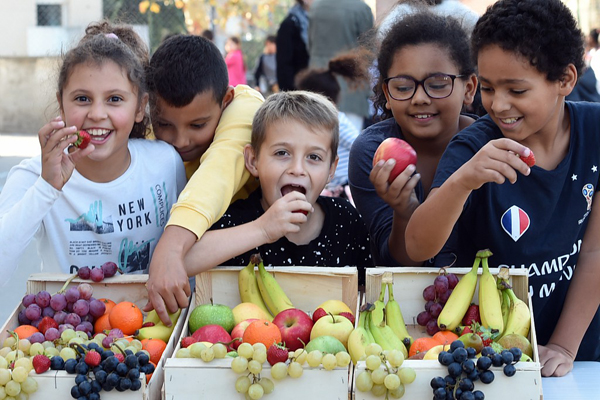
x,y
542,31
119,43
423,27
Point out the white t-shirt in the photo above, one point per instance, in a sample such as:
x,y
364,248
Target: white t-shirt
x,y
90,223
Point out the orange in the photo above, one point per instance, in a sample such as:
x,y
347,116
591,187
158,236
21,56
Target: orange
x,y
109,304
262,331
24,331
148,376
155,347
421,345
445,337
102,324
127,317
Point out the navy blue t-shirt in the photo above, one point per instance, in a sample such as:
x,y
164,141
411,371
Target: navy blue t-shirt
x,y
343,241
538,222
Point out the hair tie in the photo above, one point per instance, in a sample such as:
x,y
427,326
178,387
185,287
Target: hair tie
x,y
111,35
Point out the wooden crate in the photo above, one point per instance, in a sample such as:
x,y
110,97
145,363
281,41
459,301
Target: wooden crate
x,y
57,384
409,283
307,288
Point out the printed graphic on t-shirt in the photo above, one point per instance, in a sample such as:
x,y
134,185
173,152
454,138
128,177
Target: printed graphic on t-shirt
x,y
515,222
134,257
92,220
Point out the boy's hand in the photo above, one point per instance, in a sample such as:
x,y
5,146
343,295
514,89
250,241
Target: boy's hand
x,y
58,166
555,360
168,285
497,161
285,216
400,194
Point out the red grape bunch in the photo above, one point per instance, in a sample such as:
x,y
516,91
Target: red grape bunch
x,y
107,270
436,296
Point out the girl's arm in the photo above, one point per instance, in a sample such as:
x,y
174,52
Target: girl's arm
x,y
217,246
581,304
431,224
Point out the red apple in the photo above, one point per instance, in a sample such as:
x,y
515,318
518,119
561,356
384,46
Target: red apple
x,y
400,151
295,326
238,332
319,313
348,315
212,333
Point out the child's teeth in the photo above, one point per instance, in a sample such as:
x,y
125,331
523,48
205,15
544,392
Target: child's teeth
x,y
422,116
509,120
98,132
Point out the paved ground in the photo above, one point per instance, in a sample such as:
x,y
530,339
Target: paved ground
x,y
13,149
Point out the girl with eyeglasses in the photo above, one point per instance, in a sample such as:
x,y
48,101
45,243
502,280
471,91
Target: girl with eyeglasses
x,y
426,77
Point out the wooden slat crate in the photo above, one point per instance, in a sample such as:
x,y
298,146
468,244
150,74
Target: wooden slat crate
x,y
307,288
409,283
57,384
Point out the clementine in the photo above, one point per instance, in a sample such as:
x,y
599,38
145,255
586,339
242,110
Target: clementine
x,y
262,331
102,324
127,317
155,347
24,331
108,304
421,345
445,337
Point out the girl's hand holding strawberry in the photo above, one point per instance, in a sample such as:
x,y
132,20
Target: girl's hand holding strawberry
x,y
58,165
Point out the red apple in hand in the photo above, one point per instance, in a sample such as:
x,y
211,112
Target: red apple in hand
x,y
400,151
295,326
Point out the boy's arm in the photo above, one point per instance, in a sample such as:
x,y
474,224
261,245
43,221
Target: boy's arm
x,y
222,173
581,304
431,224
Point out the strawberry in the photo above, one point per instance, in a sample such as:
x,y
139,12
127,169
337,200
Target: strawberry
x,y
487,335
529,160
41,363
93,358
188,341
120,357
472,315
83,139
348,315
47,323
319,312
277,353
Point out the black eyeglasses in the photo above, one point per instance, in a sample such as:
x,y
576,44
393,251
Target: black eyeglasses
x,y
437,86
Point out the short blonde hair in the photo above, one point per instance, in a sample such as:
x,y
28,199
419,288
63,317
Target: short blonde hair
x,y
312,110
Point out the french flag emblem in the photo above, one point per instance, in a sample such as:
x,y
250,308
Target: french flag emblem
x,y
515,222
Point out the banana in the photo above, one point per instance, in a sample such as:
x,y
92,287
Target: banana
x,y
274,297
248,285
505,307
367,323
393,340
158,331
394,318
519,317
490,309
460,299
359,340
155,319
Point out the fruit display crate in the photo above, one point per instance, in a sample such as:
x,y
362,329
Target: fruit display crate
x,y
307,288
408,283
57,384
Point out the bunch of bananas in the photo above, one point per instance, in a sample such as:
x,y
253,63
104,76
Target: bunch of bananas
x,y
158,330
262,289
380,323
499,308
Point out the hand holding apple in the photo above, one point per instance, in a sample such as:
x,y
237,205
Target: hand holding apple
x,y
400,151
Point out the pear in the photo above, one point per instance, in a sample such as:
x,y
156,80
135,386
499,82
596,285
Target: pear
x,y
515,340
472,340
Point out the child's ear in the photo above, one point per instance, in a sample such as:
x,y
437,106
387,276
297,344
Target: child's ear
x,y
141,111
470,89
228,98
387,95
250,160
332,169
568,81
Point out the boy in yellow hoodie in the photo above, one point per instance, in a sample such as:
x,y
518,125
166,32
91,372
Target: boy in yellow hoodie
x,y
208,122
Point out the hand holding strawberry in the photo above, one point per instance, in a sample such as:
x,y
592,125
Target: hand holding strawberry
x,y
83,139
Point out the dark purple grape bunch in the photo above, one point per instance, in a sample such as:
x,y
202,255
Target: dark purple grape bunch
x,y
107,270
464,369
436,296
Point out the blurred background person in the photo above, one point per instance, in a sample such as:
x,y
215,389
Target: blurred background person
x,y
265,73
235,62
335,27
292,44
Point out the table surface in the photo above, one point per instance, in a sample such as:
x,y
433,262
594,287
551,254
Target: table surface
x,y
581,383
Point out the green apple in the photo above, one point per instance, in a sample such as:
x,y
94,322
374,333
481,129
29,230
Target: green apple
x,y
211,314
333,325
325,344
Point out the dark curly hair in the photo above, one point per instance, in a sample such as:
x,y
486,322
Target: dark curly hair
x,y
423,27
543,31
126,49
